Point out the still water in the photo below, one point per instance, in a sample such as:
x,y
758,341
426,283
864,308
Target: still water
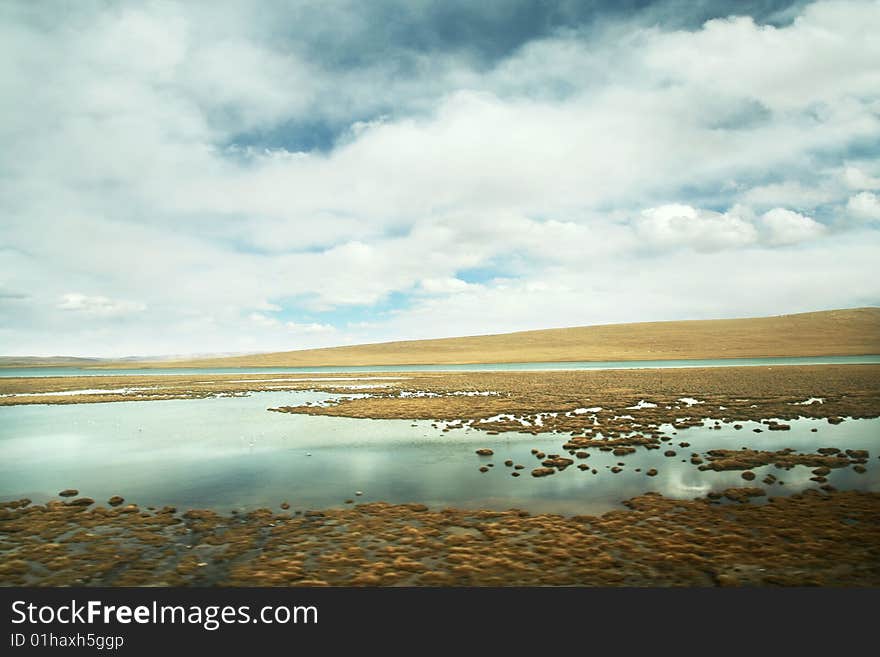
x,y
480,367
231,453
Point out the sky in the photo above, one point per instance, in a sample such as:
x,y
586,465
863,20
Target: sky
x,y
232,177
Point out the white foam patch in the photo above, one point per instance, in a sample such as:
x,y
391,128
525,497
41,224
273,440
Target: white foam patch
x,y
89,391
584,411
642,404
338,378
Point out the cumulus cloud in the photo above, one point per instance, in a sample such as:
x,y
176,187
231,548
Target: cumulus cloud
x,y
791,193
864,205
264,320
672,226
856,178
98,305
252,174
786,227
311,327
683,225
448,285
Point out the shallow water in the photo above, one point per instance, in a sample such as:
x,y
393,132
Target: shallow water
x,y
231,453
480,367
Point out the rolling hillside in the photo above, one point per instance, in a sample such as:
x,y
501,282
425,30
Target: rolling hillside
x,y
833,332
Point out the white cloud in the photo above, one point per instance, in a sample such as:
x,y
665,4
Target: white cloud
x,y
98,305
264,320
563,167
864,205
785,227
447,285
791,193
312,327
858,179
683,225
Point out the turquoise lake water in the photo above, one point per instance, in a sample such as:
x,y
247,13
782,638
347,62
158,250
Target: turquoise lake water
x,y
491,367
231,453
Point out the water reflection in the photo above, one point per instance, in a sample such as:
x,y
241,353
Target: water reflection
x,y
230,453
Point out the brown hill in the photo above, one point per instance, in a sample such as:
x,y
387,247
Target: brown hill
x,y
826,333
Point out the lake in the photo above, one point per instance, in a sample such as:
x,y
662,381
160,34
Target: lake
x,y
479,367
231,453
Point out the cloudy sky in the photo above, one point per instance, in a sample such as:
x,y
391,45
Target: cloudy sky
x,y
232,177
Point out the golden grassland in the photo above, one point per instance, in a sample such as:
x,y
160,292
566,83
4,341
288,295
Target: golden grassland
x,y
806,539
833,332
755,392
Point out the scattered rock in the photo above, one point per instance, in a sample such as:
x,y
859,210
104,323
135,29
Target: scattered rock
x,y
116,500
485,451
82,501
285,505
669,452
748,475
484,469
69,492
651,473
543,472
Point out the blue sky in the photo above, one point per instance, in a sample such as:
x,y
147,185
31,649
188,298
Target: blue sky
x,y
233,177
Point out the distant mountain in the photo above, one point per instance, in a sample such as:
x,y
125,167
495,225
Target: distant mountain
x,y
825,333
49,361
